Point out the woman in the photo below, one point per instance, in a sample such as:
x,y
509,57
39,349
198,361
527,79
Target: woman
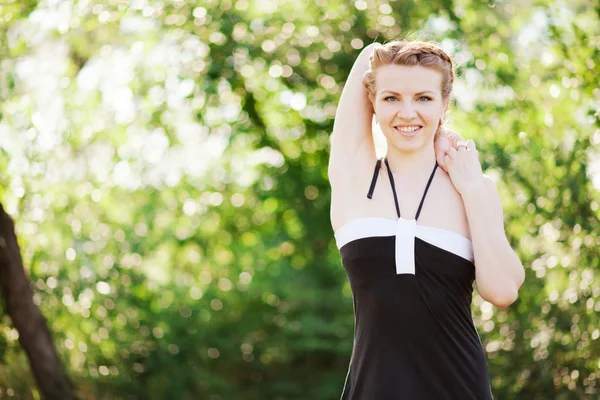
x,y
413,242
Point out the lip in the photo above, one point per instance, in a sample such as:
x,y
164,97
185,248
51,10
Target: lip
x,y
407,134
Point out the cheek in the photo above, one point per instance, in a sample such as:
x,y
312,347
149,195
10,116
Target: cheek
x,y
432,112
385,111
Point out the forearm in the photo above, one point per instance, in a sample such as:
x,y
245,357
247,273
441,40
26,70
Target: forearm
x,y
354,99
499,272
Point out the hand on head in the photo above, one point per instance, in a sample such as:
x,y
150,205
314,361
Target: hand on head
x,y
446,140
464,167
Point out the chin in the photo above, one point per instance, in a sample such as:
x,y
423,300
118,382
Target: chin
x,y
409,145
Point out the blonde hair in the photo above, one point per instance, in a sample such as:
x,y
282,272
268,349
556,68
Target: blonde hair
x,y
411,53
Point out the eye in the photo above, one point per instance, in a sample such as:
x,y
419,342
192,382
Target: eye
x,y
390,99
424,98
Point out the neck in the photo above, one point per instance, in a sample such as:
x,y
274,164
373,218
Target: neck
x,y
410,164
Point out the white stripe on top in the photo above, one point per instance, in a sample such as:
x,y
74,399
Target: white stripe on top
x,y
405,231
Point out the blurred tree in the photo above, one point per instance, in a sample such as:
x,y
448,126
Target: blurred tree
x,y
34,335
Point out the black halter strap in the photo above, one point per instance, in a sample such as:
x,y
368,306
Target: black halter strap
x,y
426,189
391,176
374,180
393,186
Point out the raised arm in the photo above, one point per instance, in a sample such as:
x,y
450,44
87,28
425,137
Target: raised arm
x,y
352,129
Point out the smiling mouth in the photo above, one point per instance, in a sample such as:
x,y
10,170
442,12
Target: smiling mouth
x,y
408,131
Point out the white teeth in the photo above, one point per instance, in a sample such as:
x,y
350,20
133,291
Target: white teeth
x,y
407,128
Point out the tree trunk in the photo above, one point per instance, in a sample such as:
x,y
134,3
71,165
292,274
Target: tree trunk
x,y
34,334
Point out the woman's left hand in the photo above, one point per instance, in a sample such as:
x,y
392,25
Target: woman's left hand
x,y
462,164
443,142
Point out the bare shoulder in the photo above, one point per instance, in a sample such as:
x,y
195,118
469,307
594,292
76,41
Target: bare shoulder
x,y
444,207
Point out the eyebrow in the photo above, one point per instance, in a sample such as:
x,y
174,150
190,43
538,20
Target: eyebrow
x,y
416,94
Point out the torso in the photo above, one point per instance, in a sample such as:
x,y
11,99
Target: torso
x,y
411,287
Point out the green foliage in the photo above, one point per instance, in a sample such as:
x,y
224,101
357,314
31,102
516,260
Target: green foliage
x,y
166,163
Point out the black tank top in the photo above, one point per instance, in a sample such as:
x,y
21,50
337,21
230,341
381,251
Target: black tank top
x,y
414,336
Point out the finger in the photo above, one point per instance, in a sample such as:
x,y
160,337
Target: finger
x,y
447,132
471,145
453,140
456,137
451,152
462,145
447,163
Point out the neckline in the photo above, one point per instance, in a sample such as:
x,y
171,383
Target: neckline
x,y
395,221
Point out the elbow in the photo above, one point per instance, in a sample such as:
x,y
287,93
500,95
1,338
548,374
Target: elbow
x,y
502,296
368,50
503,299
503,302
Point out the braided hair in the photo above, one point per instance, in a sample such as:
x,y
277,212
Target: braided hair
x,y
410,53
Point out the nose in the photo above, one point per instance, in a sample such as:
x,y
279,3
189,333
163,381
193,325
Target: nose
x,y
406,111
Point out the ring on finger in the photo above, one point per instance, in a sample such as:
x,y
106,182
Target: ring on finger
x,y
460,144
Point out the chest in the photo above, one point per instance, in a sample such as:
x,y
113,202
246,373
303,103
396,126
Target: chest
x,y
442,207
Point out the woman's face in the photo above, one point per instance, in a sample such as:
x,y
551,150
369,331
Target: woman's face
x,y
408,105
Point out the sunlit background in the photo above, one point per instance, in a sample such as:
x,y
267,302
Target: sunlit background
x,y
166,166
